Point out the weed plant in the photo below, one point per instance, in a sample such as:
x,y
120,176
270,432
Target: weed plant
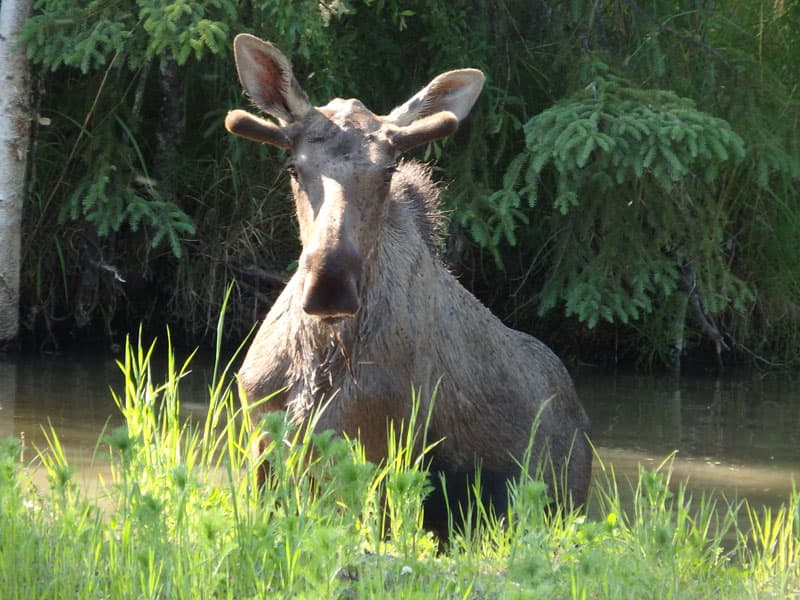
x,y
182,517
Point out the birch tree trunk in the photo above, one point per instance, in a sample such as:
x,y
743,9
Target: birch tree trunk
x,y
14,142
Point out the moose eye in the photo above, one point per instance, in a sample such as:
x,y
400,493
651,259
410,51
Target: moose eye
x,y
388,172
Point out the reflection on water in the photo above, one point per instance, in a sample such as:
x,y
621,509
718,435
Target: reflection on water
x,y
754,420
8,395
738,435
74,395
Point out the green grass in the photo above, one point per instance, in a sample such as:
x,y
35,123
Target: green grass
x,y
181,517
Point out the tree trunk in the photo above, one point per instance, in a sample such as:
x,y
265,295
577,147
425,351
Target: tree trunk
x,y
170,127
14,142
679,330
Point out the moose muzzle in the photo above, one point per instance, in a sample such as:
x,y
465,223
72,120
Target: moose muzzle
x,y
331,262
331,284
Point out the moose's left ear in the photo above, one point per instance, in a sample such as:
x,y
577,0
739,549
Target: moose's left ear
x,y
435,111
454,92
422,131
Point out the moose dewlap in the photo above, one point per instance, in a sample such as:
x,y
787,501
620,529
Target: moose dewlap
x,y
372,312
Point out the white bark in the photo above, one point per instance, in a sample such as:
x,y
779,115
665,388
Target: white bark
x,y
14,144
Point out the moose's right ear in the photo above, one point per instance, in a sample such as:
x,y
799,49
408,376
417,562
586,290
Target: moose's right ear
x,y
242,123
267,77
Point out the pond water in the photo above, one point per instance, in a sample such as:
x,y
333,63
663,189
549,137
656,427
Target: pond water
x,y
738,435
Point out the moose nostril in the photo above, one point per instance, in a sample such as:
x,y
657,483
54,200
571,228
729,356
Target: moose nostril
x,y
330,296
332,282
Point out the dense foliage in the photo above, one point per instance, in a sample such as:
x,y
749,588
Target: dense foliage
x,y
629,178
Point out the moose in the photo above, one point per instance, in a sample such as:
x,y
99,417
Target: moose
x,y
372,312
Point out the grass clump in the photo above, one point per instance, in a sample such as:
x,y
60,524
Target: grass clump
x,y
181,516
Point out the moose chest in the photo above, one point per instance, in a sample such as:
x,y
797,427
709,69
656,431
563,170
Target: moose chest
x,y
351,394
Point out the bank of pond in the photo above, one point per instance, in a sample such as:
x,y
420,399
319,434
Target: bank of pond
x,y
149,491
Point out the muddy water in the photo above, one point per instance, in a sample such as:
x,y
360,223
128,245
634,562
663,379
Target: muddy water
x,y
738,435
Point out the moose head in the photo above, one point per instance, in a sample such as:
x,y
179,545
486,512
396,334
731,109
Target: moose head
x,y
343,157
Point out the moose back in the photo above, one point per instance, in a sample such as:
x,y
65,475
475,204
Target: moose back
x,y
372,311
